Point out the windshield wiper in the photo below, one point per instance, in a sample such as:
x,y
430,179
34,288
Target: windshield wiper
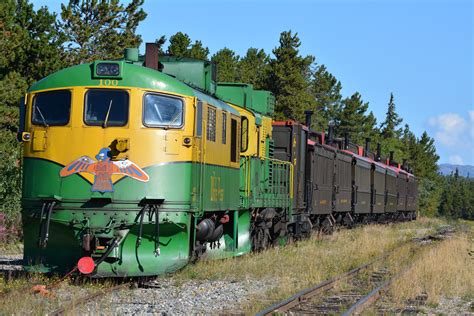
x,y
107,115
42,116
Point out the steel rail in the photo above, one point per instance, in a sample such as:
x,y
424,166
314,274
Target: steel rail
x,y
305,294
84,300
363,303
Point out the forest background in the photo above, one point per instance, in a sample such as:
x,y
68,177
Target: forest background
x,y
38,42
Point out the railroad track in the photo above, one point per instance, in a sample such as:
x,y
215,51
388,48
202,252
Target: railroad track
x,y
351,292
73,305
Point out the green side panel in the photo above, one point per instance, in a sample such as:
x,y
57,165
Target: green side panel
x,y
236,93
198,73
217,189
243,95
264,102
264,183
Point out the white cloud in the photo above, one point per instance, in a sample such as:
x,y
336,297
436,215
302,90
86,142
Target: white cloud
x,y
456,160
450,127
454,136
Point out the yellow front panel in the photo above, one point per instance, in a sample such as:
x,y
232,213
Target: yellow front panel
x,y
146,146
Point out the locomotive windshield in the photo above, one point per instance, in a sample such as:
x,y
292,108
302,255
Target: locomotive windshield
x,y
106,107
162,111
52,108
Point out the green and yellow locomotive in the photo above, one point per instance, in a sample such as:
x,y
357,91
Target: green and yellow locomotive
x,y
137,167
139,171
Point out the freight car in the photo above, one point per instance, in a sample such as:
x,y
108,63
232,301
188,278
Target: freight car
x,y
139,166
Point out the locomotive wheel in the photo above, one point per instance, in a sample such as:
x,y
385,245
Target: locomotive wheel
x,y
260,238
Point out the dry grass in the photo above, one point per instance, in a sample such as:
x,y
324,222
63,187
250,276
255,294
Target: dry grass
x,y
18,298
295,267
283,271
446,269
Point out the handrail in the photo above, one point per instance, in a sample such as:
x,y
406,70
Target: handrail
x,y
281,170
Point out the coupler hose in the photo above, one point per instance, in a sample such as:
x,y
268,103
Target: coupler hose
x,y
116,241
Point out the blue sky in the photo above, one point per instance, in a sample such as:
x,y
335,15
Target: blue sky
x,y
421,50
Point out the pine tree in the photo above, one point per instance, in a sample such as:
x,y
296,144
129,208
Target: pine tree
x,y
31,47
181,46
227,63
352,118
100,29
253,68
31,44
392,121
198,51
288,78
326,90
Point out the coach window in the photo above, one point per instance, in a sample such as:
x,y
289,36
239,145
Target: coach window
x,y
233,140
211,124
106,107
245,134
52,108
162,111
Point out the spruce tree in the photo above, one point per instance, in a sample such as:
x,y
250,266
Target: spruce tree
x,y
227,64
326,90
392,121
31,47
288,78
100,29
352,118
182,46
30,42
253,68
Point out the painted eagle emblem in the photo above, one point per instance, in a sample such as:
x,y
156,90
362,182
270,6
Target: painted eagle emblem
x,y
103,169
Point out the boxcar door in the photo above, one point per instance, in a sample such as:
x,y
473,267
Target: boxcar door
x,y
323,176
401,191
391,191
362,186
343,182
378,188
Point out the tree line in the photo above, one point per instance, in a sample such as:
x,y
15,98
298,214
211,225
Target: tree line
x,y
37,42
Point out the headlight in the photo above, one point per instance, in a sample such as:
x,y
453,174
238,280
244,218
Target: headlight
x,y
107,69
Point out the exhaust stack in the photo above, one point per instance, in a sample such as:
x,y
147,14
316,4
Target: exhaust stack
x,y
367,146
379,152
308,114
151,56
346,140
331,133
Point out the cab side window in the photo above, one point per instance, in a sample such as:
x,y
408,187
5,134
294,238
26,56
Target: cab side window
x,y
162,111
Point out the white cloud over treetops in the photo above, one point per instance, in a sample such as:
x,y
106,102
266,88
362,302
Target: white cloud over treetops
x,y
456,134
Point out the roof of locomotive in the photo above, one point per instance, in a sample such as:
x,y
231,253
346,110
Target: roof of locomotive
x,y
132,76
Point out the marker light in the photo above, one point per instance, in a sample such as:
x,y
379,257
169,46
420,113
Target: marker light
x,y
107,69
